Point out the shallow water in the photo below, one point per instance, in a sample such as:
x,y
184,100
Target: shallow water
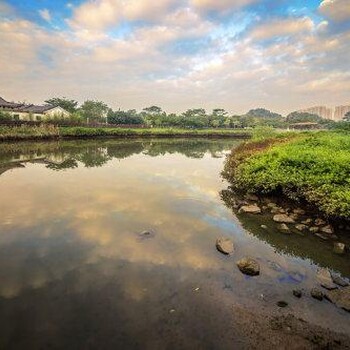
x,y
76,272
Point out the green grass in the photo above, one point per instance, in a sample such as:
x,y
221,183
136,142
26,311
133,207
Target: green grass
x,y
162,132
311,166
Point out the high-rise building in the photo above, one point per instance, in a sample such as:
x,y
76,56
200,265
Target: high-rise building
x,y
336,113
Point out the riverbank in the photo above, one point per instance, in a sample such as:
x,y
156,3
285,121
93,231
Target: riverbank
x,y
308,167
49,132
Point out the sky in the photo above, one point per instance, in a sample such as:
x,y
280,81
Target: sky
x,y
282,55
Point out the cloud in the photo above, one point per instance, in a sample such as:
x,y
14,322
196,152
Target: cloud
x,y
220,5
337,10
280,28
101,14
45,14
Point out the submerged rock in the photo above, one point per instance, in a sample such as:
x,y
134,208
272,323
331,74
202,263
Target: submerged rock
x,y
340,297
264,227
322,236
249,266
339,248
297,293
316,294
250,209
282,303
313,229
283,218
224,245
339,281
325,279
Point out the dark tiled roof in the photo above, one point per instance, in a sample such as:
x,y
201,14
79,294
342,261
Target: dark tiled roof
x,y
34,109
6,104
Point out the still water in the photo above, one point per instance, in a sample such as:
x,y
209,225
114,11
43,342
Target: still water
x,y
76,272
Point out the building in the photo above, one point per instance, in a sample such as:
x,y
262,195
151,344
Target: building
x,y
21,111
336,113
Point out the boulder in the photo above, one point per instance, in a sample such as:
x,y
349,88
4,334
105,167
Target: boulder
x,y
316,294
301,227
283,228
224,245
249,266
340,297
339,281
299,211
339,248
319,222
325,279
271,205
251,209
264,227
307,221
327,229
283,218
313,229
274,211
251,197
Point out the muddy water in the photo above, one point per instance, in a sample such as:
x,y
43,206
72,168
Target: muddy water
x,y
76,272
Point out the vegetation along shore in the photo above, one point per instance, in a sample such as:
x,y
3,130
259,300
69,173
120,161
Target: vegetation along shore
x,y
313,168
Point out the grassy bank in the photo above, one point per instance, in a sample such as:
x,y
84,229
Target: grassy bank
x,y
52,132
308,166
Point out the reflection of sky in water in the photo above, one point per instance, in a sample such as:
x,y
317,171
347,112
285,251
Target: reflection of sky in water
x,y
55,224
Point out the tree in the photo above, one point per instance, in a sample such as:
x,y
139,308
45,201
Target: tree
x,y
302,117
63,102
124,117
153,110
263,113
347,117
94,111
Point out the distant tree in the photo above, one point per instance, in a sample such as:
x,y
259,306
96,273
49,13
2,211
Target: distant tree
x,y
347,117
263,113
303,117
124,117
153,110
94,111
5,116
63,102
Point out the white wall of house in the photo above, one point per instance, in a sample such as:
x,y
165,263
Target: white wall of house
x,y
57,111
39,116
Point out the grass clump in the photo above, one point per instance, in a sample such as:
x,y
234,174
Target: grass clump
x,y
310,166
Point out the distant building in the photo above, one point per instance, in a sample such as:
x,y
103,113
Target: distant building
x,y
336,113
21,111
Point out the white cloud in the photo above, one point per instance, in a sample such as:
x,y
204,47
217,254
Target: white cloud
x,y
337,10
221,5
45,14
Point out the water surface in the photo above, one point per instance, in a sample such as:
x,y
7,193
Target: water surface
x,y
76,272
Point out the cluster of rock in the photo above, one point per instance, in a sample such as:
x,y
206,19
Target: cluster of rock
x,y
290,220
246,265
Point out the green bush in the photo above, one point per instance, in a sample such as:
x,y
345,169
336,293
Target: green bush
x,y
314,167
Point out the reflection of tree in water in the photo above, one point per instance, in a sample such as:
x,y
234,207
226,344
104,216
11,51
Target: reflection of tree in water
x,y
305,246
95,153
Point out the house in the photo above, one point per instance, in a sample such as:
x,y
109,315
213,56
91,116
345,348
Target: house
x,y
21,111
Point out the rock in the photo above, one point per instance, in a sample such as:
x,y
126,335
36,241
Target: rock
x,y
307,221
294,216
274,211
301,227
251,197
283,228
313,229
316,294
224,245
320,222
322,236
264,227
146,234
281,211
340,297
249,266
339,281
271,205
327,229
339,248
282,303
297,293
299,211
283,218
251,209
325,279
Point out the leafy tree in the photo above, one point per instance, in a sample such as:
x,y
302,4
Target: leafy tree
x,y
303,117
263,113
5,116
63,102
124,117
347,117
94,111
153,110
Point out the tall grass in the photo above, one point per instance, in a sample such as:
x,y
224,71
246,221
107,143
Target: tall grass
x,y
8,133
